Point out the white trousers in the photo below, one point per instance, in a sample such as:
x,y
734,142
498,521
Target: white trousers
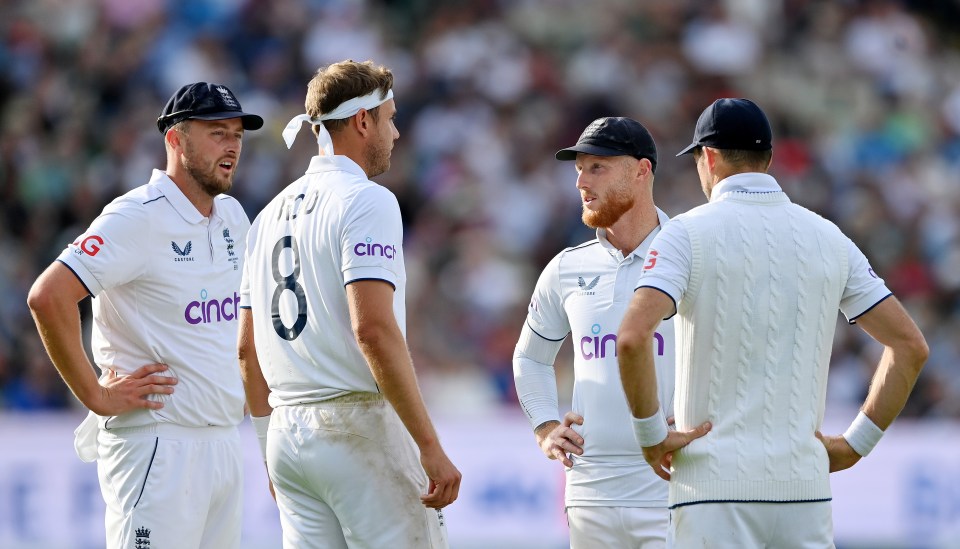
x,y
753,526
618,527
167,486
347,474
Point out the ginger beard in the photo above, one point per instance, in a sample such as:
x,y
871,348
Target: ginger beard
x,y
615,202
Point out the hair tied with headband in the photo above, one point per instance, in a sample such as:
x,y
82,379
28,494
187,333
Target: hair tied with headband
x,y
344,110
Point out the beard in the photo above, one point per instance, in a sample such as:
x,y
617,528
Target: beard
x,y
616,203
208,178
377,158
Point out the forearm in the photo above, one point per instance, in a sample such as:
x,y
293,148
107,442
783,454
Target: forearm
x,y
254,384
891,385
635,350
58,323
392,368
256,389
905,352
536,385
639,377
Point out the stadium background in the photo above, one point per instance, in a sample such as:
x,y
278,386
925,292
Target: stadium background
x,y
864,97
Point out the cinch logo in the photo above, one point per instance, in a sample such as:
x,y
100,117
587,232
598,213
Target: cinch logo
x,y
214,310
90,245
367,248
601,346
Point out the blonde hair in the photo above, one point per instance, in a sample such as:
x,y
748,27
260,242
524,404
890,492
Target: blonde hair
x,y
339,82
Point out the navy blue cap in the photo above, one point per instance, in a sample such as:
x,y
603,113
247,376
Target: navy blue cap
x,y
737,124
203,101
614,136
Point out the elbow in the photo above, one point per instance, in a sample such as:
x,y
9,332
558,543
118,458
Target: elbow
x,y
631,342
244,352
918,351
38,299
370,335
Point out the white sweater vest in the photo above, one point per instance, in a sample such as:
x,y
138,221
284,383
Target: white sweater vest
x,y
753,348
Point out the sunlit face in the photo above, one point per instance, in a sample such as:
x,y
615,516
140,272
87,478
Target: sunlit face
x,y
210,152
605,188
377,154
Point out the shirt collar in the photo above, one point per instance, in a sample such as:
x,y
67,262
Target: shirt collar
x,y
338,162
177,199
641,250
750,182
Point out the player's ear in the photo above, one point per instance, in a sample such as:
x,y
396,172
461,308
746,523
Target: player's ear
x,y
361,121
172,138
644,167
641,167
712,156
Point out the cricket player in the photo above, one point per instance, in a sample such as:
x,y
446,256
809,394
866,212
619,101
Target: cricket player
x,y
163,263
756,282
612,498
350,449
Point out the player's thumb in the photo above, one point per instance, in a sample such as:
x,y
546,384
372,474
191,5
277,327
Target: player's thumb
x,y
699,431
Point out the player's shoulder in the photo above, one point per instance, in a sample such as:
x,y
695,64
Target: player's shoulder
x,y
228,202
696,211
584,247
230,209
139,202
577,253
368,190
369,197
813,217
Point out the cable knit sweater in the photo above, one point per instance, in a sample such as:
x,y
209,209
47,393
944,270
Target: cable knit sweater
x,y
754,339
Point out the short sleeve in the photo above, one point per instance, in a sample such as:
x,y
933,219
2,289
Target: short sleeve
x,y
545,314
669,262
864,289
372,237
110,252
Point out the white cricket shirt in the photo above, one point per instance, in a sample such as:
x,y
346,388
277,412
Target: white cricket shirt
x,y
165,280
585,291
331,227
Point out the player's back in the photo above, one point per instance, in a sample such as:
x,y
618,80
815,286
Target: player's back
x,y
325,230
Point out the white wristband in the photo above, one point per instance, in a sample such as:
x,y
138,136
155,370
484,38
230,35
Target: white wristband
x,y
261,425
650,431
863,434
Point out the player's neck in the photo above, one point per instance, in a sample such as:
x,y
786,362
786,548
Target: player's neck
x,y
633,227
200,199
352,149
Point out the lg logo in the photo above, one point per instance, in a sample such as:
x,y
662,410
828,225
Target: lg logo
x,y
90,245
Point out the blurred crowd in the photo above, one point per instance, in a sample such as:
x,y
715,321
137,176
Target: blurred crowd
x,y
864,97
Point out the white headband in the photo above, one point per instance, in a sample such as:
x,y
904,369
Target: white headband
x,y
344,110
